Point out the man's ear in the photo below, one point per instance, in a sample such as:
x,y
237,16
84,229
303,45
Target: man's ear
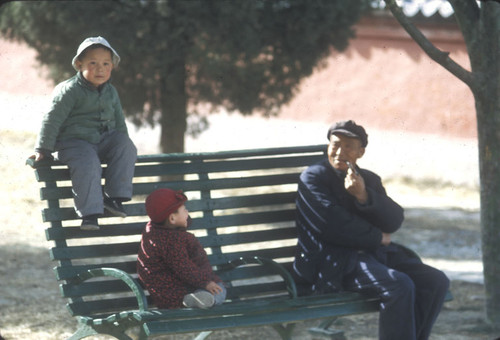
x,y
78,64
361,152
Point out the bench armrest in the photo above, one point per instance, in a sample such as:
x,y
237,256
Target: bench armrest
x,y
278,268
142,301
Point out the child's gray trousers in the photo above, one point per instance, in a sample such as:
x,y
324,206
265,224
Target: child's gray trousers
x,y
84,160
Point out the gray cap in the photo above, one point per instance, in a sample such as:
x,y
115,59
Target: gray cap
x,y
95,41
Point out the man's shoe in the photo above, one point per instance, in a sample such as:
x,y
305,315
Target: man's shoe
x,y
114,206
89,223
200,299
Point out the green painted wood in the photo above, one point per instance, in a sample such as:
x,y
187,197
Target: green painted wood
x,y
94,251
277,313
71,270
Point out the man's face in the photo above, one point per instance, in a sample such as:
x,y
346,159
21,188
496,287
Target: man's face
x,y
96,66
342,149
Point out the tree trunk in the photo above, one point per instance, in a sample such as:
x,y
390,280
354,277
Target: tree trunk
x,y
489,164
487,99
173,107
481,30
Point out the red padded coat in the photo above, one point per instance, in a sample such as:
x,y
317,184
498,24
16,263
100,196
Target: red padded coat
x,y
172,263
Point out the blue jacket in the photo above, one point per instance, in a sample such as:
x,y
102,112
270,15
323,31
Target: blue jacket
x,y
81,111
333,227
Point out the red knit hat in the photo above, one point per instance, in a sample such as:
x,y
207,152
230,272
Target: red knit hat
x,y
163,202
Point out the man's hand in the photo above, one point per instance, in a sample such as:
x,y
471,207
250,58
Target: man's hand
x,y
213,288
386,239
355,185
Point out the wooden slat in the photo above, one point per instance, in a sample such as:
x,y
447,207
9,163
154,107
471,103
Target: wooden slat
x,y
261,312
69,233
240,238
243,219
44,173
313,149
270,253
247,201
94,288
67,272
94,251
49,174
102,306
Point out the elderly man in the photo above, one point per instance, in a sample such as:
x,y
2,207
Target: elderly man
x,y
345,220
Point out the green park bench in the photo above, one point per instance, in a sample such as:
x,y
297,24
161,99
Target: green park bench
x,y
242,204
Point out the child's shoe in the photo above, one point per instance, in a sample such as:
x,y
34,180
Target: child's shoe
x,y
200,299
114,206
89,223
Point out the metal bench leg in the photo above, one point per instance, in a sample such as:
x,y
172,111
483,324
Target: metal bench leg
x,y
203,335
285,331
324,329
84,331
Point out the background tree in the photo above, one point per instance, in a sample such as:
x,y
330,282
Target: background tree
x,y
241,55
480,26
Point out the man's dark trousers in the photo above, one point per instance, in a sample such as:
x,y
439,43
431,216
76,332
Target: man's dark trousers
x,y
412,293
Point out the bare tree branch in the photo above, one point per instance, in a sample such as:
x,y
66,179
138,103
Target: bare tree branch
x,y
432,51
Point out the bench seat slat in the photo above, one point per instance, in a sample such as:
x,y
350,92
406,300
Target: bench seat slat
x,y
256,305
261,319
258,313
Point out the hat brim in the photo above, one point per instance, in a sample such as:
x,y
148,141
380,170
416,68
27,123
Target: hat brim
x,y
344,133
115,56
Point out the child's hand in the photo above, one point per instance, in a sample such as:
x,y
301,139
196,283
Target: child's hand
x,y
213,288
37,156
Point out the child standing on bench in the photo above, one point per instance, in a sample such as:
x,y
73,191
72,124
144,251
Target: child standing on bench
x,y
171,262
86,125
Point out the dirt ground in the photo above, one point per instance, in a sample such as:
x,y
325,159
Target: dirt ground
x,y
30,306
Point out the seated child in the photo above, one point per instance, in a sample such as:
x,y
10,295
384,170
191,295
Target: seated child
x,y
86,126
171,262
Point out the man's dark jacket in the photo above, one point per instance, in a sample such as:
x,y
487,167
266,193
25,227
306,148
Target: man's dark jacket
x,y
333,227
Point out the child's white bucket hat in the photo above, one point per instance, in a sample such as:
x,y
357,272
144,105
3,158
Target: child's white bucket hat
x,y
95,41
